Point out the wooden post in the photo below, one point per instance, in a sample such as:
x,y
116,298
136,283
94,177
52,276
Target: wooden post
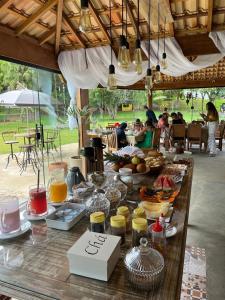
x,y
149,99
82,100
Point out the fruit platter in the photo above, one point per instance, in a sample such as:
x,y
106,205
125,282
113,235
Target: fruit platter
x,y
164,190
135,163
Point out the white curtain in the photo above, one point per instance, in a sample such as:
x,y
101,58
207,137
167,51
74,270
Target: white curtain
x,y
218,38
87,70
178,64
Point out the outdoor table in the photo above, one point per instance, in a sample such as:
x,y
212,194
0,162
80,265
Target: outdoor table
x,y
131,139
27,135
41,271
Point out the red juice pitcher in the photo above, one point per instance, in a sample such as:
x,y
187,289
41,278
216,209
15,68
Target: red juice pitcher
x,y
37,203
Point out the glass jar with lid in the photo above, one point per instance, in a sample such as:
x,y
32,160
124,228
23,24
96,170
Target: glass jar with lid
x,y
118,227
124,211
127,178
139,212
114,196
97,220
145,266
139,230
120,185
97,202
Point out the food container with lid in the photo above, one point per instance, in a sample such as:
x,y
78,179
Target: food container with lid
x,y
118,227
97,202
145,266
124,211
114,196
97,220
139,230
139,212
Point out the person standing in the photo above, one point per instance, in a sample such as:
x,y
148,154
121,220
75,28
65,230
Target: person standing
x,y
151,116
212,118
121,135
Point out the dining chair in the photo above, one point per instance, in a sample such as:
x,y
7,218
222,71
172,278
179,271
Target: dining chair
x,y
220,136
10,139
178,134
194,135
112,142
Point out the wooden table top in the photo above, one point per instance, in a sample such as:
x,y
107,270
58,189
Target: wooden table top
x,y
39,270
26,134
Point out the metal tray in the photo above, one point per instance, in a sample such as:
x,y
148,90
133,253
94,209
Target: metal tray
x,y
67,220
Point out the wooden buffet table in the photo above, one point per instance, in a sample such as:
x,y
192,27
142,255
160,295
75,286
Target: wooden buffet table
x,y
40,271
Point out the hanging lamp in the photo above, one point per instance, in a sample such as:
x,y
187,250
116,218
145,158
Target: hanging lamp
x,y
158,77
137,53
85,20
127,43
164,64
148,77
111,84
122,55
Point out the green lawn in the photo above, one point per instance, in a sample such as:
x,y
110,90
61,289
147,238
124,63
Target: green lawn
x,y
70,136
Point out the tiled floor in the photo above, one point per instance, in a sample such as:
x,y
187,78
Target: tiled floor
x,y
194,276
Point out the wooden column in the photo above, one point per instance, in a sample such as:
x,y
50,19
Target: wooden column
x,y
149,99
82,100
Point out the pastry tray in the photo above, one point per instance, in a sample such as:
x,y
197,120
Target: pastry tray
x,y
66,216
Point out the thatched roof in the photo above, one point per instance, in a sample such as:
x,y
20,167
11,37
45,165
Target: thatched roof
x,y
34,31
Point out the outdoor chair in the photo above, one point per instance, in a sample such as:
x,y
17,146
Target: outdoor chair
x,y
9,139
194,135
178,134
51,137
30,157
112,142
220,135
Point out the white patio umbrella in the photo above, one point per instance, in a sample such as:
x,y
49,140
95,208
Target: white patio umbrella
x,y
24,97
27,98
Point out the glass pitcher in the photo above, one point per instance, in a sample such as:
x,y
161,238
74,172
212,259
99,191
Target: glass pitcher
x,y
57,187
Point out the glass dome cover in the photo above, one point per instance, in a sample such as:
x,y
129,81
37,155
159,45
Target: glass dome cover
x,y
97,202
145,266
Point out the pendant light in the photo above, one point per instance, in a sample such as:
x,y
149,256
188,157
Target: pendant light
x,y
164,64
127,43
158,77
111,84
148,77
85,20
122,55
137,53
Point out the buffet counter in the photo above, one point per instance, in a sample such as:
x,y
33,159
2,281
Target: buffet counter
x,y
35,266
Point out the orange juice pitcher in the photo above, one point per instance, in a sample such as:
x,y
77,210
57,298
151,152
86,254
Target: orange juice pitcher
x,y
57,187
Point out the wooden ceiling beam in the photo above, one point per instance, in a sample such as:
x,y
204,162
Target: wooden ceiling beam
x,y
210,15
171,25
179,84
47,36
32,19
58,25
26,50
70,26
132,17
5,3
99,21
